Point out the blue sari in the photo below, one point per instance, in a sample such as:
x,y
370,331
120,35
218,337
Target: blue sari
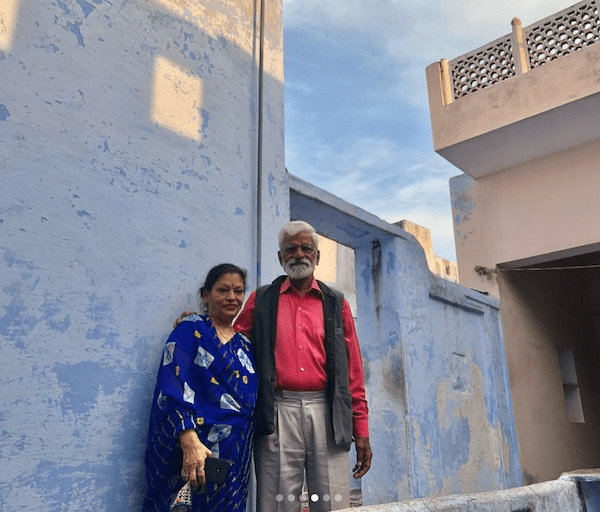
x,y
205,385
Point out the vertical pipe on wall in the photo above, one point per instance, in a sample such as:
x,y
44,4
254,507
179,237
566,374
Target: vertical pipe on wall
x,y
259,163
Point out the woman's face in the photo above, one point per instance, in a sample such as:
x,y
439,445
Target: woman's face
x,y
225,299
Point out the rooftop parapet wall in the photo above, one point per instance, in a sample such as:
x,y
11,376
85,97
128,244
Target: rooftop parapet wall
x,y
444,268
559,495
524,49
485,104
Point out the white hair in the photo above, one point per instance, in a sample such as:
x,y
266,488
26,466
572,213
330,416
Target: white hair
x,y
293,228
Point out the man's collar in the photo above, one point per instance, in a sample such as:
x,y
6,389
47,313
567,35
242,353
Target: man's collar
x,y
287,285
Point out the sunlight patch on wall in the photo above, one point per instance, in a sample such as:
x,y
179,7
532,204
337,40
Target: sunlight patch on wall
x,y
212,19
192,12
176,98
327,268
183,7
8,21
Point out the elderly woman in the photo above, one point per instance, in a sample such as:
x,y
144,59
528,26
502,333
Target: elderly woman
x,y
203,405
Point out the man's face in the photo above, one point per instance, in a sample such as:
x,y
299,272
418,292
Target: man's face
x,y
298,256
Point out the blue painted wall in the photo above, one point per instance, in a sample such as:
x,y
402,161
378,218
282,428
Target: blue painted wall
x,y
111,213
128,168
436,377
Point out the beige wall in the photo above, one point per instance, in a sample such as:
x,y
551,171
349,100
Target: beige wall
x,y
439,266
327,268
548,109
545,206
530,150
336,268
537,213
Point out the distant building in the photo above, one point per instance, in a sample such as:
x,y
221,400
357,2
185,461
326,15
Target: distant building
x,y
337,261
520,117
442,267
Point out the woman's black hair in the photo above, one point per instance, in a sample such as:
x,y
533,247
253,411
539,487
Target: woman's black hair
x,y
215,273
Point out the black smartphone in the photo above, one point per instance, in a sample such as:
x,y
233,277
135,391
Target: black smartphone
x,y
215,470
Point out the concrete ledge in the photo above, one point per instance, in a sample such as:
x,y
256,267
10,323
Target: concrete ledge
x,y
588,483
582,475
554,496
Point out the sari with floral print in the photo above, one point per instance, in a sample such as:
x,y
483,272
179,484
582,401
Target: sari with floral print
x,y
209,386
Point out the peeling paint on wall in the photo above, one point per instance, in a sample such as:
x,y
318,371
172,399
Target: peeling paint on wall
x,y
86,7
393,373
4,113
83,382
110,221
76,29
440,409
272,189
464,407
462,198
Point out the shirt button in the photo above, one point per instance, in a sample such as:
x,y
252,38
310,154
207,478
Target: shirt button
x,y
300,347
301,369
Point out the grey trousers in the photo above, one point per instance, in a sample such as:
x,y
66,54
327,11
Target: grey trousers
x,y
301,446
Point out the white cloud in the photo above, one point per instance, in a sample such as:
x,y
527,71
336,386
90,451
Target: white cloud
x,y
415,34
437,19
299,86
387,179
425,202
391,42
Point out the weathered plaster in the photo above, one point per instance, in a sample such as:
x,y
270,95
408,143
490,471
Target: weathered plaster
x,y
541,213
467,405
110,218
546,497
440,412
9,11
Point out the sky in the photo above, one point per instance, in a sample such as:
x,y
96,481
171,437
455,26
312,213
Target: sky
x,y
356,109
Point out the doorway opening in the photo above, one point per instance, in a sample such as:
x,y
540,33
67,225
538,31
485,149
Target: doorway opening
x,y
551,319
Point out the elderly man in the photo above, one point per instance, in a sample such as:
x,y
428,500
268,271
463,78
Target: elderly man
x,y
311,401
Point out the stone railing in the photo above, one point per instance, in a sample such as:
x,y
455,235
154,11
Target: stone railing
x,y
577,491
553,37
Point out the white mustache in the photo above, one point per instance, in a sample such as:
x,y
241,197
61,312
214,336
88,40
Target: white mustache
x,y
304,262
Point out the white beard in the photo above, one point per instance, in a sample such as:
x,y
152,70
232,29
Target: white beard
x,y
299,269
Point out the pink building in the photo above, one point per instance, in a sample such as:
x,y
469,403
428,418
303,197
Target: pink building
x,y
520,117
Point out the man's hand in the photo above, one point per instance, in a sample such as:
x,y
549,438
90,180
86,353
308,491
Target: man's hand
x,y
181,317
363,456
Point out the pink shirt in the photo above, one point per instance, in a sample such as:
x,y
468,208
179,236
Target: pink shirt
x,y
300,349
